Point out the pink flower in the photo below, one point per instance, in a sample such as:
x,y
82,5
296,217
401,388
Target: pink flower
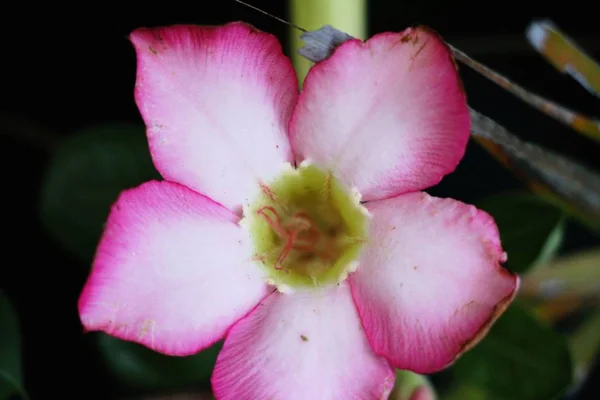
x,y
293,224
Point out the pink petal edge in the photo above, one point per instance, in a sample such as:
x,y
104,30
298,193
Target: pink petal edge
x,y
387,116
171,272
308,345
430,282
216,102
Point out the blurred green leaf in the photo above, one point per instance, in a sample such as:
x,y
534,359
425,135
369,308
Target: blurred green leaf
x,y
569,184
86,175
566,56
585,345
141,369
571,276
11,383
520,358
466,392
531,229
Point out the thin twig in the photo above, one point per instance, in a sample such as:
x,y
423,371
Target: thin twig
x,y
581,123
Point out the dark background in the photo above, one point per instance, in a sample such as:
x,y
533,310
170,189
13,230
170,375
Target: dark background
x,y
68,66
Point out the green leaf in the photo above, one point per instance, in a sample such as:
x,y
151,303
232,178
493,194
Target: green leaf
x,y
566,56
141,369
520,358
569,277
531,229
466,392
584,343
85,176
11,380
569,184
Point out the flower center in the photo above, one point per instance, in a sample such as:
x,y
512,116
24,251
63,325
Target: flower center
x,y
307,229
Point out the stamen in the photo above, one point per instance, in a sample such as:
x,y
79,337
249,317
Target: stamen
x,y
285,252
300,233
268,192
299,223
272,217
309,231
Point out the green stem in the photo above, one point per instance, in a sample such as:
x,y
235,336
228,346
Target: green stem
x,y
349,16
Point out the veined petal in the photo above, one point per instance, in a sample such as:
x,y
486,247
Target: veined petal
x,y
430,282
216,102
387,116
309,345
172,271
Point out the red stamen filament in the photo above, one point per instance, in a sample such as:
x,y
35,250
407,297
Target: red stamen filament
x,y
299,225
308,229
285,252
270,215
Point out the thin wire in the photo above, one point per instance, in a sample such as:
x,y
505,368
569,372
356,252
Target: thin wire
x,y
272,16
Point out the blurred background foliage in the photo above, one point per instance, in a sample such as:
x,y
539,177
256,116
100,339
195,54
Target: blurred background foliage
x,y
72,139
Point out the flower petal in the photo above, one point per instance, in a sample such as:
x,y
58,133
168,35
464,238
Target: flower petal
x,y
430,283
388,116
306,345
171,271
216,103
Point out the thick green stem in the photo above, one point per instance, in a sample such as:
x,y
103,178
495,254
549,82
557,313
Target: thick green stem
x,y
349,16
